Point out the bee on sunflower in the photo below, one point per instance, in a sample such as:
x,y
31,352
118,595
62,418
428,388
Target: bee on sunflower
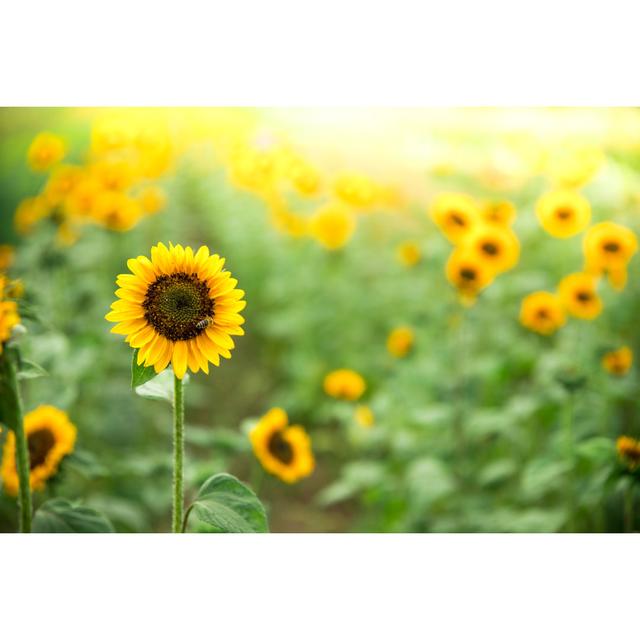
x,y
283,450
179,308
542,312
608,248
579,296
618,362
563,213
455,214
50,437
468,273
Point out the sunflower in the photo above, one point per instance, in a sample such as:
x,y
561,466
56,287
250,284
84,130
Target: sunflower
x,y
563,213
468,273
579,296
409,253
152,199
609,247
542,312
400,341
283,450
456,214
356,190
332,225
500,212
46,150
364,416
7,256
179,307
618,362
344,384
29,212
81,200
629,451
9,317
50,437
61,183
116,210
497,247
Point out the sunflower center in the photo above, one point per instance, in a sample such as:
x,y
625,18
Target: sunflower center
x,y
40,442
611,247
467,274
458,219
280,448
563,214
543,314
178,306
583,296
490,248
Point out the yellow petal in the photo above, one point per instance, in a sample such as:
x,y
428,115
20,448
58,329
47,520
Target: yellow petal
x,y
179,358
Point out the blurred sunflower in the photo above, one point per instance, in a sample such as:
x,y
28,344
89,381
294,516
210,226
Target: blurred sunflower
x,y
50,437
456,214
629,451
573,165
7,255
116,210
179,307
284,451
618,362
542,312
578,294
364,416
114,175
400,341
61,182
332,225
497,247
409,253
46,150
29,212
152,199
608,247
356,190
563,213
500,212
468,273
344,384
81,200
303,177
9,317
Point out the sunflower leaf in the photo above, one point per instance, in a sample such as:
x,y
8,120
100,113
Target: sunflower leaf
x,y
139,373
161,387
228,506
61,516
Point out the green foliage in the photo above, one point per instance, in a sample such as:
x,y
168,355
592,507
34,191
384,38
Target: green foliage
x,y
62,516
228,506
139,373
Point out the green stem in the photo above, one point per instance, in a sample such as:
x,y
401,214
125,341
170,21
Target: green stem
x,y
628,509
15,421
568,434
178,454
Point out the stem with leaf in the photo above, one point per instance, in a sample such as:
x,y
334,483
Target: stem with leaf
x,y
569,443
178,454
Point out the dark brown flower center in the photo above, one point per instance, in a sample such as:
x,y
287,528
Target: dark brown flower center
x,y
280,448
584,296
490,248
40,442
611,247
458,219
543,314
467,274
564,214
178,306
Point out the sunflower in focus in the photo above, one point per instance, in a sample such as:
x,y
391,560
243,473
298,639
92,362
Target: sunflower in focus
x,y
468,273
608,247
563,213
9,317
46,150
344,384
500,212
456,214
50,437
498,247
629,451
409,253
178,307
283,450
579,296
542,312
332,225
400,341
618,362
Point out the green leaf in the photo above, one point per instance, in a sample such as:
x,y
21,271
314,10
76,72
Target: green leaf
x,y
61,516
160,387
229,506
29,369
140,374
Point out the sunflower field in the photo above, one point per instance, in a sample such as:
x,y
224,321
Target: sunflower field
x,y
319,320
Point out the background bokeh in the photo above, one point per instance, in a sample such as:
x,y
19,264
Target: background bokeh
x,y
324,218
